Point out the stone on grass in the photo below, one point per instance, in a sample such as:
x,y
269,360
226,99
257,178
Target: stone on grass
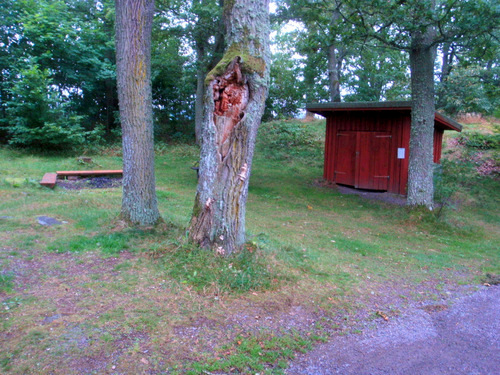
x,y
48,221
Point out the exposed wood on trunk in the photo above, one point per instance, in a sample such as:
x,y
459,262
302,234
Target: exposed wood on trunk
x,y
230,98
134,20
234,104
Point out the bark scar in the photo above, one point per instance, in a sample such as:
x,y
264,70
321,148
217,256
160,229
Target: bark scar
x,y
208,203
230,93
243,172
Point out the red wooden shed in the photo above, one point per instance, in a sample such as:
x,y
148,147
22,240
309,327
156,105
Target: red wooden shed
x,y
367,144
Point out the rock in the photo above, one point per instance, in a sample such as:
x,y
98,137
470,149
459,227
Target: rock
x,y
50,319
48,221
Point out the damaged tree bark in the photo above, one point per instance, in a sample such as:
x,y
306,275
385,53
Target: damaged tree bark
x,y
234,103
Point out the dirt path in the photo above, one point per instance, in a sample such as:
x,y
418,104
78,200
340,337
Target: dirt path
x,y
461,339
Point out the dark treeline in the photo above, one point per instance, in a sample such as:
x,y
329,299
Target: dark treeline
x,y
58,79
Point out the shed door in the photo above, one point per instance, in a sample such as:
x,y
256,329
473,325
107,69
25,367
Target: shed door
x,y
345,158
362,159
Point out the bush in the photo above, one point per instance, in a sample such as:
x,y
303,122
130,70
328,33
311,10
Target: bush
x,y
294,138
39,117
479,141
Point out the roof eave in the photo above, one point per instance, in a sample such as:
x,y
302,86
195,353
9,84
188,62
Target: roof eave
x,y
324,108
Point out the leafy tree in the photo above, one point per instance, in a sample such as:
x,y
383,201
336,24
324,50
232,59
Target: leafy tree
x,y
173,84
235,97
134,22
197,27
40,118
338,58
376,73
73,41
418,27
208,35
287,85
469,79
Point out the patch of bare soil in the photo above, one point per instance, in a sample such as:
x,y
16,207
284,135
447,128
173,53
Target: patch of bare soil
x,y
382,196
91,183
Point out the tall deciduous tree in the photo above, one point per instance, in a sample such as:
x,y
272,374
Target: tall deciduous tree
x,y
134,19
209,25
234,103
418,27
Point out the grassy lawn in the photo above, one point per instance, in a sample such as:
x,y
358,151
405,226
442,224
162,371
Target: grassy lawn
x,y
92,296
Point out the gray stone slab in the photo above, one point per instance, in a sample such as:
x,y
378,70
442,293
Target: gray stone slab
x,y
48,221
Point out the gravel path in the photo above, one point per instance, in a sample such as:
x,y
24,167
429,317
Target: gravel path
x,y
463,339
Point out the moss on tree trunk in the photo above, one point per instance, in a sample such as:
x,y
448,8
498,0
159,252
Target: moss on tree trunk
x,y
234,103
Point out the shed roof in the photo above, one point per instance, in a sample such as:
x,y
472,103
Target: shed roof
x,y
324,108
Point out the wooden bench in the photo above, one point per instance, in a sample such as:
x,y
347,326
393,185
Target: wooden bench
x,y
49,180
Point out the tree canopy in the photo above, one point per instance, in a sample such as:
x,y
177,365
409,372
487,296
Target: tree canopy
x,y
347,50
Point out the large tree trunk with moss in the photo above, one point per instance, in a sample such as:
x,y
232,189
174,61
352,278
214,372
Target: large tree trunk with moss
x,y
234,103
134,19
420,174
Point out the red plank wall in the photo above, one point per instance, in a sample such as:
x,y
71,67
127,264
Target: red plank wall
x,y
396,123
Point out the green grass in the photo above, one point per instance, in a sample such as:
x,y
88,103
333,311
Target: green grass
x,y
149,294
260,353
6,282
240,272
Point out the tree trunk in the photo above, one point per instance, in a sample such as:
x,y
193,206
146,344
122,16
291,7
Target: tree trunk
x,y
334,74
200,90
111,104
234,103
334,63
420,174
446,66
134,19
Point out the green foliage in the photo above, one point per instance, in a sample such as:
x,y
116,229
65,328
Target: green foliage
x,y
471,88
462,178
40,118
286,91
204,270
285,139
71,44
479,141
376,73
173,84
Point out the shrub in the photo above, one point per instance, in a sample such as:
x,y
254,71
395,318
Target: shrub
x,y
39,117
479,141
